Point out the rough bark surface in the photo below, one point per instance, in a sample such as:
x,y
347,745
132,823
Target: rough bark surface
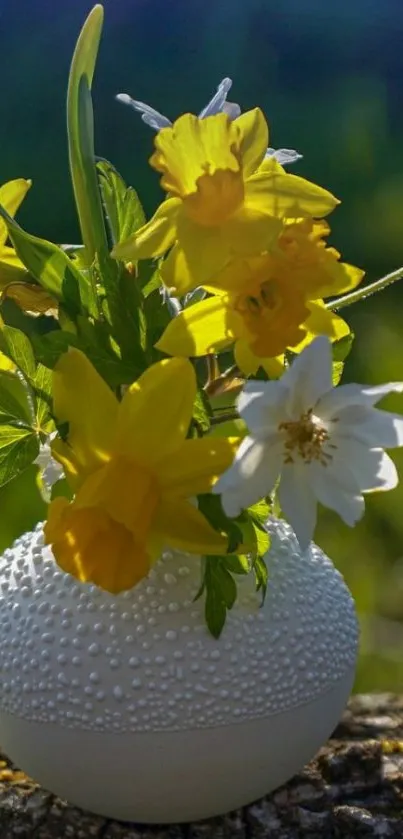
x,y
353,788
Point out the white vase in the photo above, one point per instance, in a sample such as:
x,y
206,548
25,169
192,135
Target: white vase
x,y
126,706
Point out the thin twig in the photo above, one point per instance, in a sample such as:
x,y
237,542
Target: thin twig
x,y
366,291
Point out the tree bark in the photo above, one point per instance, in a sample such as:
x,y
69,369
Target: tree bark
x,y
353,788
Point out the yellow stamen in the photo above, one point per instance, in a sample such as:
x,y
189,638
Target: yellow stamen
x,y
306,438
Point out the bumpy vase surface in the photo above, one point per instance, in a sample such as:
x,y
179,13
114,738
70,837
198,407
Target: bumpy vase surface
x,y
126,706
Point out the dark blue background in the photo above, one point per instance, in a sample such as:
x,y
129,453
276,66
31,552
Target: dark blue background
x,y
329,77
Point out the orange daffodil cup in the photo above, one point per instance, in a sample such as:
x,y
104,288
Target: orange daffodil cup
x,y
134,474
225,199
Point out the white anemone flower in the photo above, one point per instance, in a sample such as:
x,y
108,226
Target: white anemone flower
x,y
325,443
217,104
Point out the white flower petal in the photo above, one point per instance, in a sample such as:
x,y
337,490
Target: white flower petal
x,y
251,477
378,429
309,376
350,506
298,501
284,156
371,468
232,109
353,394
51,471
262,406
216,104
386,477
149,115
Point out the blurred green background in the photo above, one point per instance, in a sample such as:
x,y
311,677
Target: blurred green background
x,y
330,80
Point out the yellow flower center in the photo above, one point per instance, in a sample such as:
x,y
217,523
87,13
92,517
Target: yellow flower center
x,y
264,301
218,196
272,312
305,439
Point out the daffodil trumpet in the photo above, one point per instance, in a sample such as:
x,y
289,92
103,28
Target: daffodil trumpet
x,y
134,473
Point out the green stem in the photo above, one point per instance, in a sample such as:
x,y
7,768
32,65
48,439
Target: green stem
x,y
366,291
225,416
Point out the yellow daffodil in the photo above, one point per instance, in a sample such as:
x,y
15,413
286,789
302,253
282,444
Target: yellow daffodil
x,y
134,474
14,277
267,303
221,204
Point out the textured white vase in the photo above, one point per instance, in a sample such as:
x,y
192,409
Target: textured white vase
x,y
126,706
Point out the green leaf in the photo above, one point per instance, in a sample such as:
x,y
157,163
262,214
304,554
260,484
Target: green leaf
x,y
237,564
261,576
258,515
18,449
122,205
202,412
221,592
337,372
210,506
14,401
260,512
342,348
16,345
51,267
123,305
80,127
150,281
49,348
42,386
157,317
215,612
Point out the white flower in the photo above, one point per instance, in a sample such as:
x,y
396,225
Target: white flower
x,y
218,104
50,469
325,443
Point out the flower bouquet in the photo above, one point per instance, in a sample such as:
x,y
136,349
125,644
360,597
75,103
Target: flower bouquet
x,y
176,381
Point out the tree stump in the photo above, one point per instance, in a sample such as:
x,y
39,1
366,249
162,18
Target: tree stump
x,y
352,788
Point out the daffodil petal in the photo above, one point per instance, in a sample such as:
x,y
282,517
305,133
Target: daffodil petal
x,y
194,469
154,238
322,321
246,360
342,277
87,543
64,455
202,252
12,269
251,230
271,166
249,363
11,196
288,195
55,512
156,410
6,363
186,529
198,330
274,367
254,139
192,146
84,400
